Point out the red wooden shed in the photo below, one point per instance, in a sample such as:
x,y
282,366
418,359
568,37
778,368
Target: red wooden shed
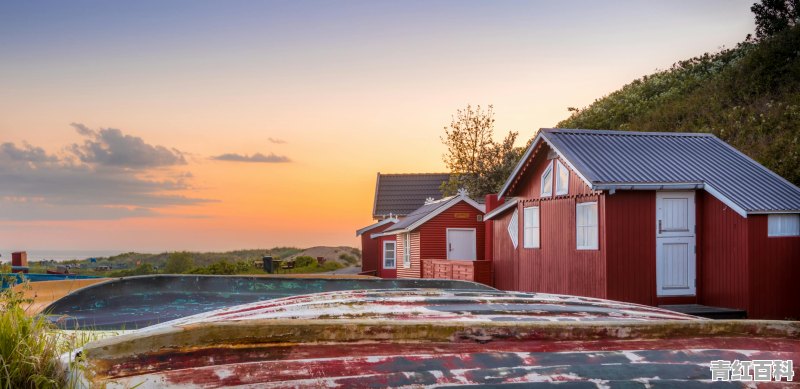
x,y
372,251
396,195
443,239
650,218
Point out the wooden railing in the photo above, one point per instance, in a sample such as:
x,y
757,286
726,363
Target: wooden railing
x,y
478,271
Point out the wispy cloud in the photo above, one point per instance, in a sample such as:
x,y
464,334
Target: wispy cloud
x,y
257,158
97,180
276,140
110,147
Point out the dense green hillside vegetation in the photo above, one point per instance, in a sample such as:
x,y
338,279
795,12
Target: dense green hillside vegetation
x,y
748,96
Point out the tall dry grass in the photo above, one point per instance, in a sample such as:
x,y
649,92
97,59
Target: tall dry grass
x,y
29,348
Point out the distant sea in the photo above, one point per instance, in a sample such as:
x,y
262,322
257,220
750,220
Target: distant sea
x,y
59,255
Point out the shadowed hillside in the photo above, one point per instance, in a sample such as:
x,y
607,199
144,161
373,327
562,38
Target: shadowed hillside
x,y
749,96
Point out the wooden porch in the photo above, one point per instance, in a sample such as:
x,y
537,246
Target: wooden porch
x,y
477,271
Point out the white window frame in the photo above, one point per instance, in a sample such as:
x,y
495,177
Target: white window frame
x,y
783,225
393,251
578,228
513,229
547,170
407,250
531,228
560,167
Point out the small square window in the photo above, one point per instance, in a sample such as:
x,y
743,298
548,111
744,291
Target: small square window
x,y
547,181
783,225
562,179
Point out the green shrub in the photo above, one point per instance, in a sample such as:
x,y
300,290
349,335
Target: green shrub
x,y
141,270
223,267
304,261
349,259
179,262
748,96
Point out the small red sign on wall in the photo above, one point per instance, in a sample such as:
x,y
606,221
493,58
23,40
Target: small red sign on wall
x,y
461,215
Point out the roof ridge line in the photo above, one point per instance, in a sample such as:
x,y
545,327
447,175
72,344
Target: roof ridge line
x,y
628,133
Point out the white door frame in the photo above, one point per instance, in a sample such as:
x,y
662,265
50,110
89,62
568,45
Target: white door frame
x,y
448,247
676,235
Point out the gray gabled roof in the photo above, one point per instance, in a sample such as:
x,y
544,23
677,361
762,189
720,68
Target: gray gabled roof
x,y
608,160
373,226
428,211
400,194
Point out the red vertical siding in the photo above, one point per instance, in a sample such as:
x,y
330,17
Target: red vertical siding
x,y
503,252
433,233
415,270
557,266
631,243
371,254
429,241
774,268
722,267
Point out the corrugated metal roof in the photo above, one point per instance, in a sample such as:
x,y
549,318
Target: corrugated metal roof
x,y
618,158
400,194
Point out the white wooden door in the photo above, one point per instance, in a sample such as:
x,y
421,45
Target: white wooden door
x,y
461,244
676,266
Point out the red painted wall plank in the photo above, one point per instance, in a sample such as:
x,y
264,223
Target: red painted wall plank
x,y
723,270
433,234
557,266
774,270
631,242
504,255
371,250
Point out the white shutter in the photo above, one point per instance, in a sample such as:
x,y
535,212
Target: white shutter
x,y
513,229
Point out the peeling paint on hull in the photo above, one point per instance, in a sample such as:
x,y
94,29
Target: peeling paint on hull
x,y
349,339
137,302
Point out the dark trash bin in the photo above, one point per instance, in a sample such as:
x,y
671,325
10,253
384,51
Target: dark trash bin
x,y
268,267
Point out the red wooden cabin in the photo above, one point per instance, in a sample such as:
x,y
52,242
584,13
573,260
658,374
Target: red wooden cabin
x,y
442,239
372,250
396,195
649,218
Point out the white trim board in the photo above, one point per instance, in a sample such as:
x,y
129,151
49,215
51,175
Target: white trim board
x,y
501,209
376,225
449,204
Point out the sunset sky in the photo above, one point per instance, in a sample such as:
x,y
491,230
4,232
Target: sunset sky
x,y
215,125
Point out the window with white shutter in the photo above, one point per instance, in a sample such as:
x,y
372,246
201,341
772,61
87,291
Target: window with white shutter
x,y
530,224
